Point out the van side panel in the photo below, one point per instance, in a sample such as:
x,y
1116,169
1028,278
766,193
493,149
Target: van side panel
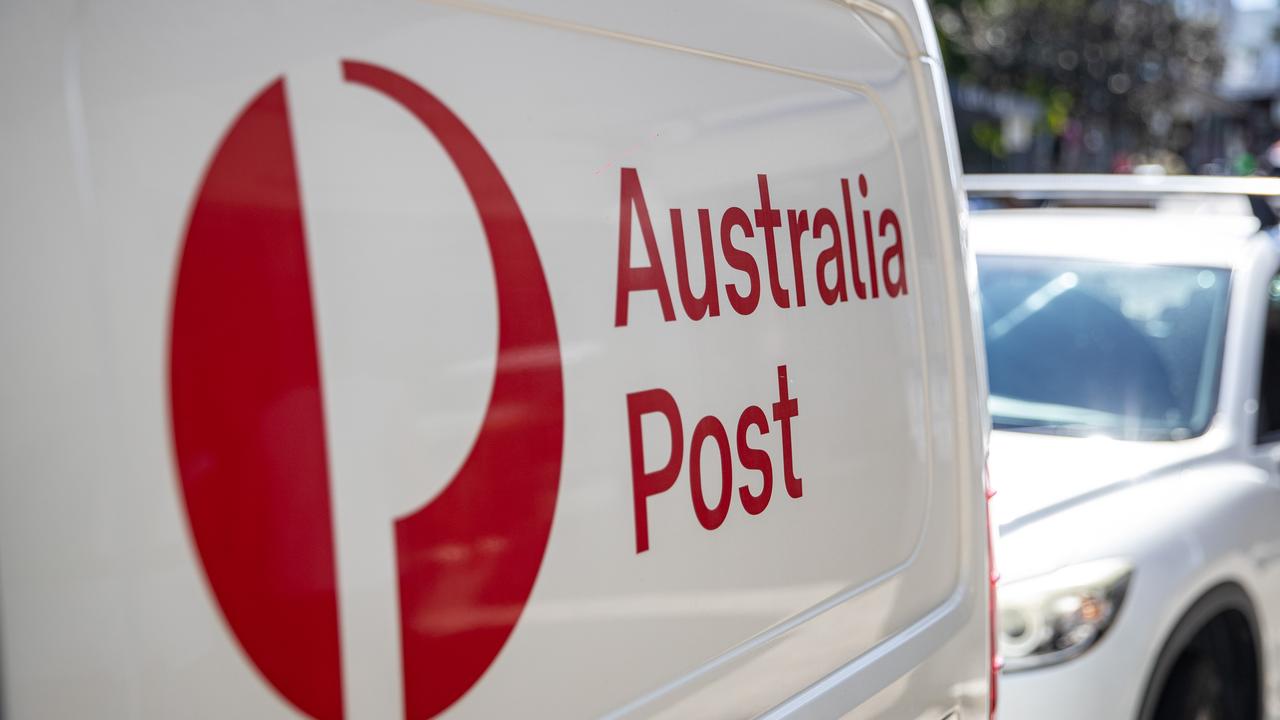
x,y
642,364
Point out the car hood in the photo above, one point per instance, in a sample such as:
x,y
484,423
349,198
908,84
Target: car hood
x,y
1037,474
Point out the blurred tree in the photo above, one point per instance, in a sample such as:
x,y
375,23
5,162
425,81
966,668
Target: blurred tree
x,y
1136,69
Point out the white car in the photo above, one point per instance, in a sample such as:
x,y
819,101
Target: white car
x,y
1133,340
376,359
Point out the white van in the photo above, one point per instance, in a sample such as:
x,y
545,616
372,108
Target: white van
x,y
405,359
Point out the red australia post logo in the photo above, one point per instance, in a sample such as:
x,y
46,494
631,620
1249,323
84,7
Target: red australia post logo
x,y
249,430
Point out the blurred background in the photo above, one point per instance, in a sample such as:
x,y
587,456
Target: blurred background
x,y
1174,86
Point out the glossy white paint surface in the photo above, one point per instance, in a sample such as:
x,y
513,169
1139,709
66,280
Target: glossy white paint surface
x,y
864,596
1189,514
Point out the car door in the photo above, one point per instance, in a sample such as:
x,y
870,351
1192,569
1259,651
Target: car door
x,y
1265,436
1267,429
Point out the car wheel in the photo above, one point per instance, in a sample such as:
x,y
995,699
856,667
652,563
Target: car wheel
x,y
1194,691
1208,669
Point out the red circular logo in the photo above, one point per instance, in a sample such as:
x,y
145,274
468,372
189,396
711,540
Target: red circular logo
x,y
249,429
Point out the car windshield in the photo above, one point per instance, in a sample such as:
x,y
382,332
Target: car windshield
x,y
1098,348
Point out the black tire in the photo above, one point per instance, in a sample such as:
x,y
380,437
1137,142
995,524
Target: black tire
x,y
1209,668
1194,691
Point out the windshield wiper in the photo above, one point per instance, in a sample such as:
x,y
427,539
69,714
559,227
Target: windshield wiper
x,y
1046,427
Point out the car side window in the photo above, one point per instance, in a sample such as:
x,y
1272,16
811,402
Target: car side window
x,y
1269,387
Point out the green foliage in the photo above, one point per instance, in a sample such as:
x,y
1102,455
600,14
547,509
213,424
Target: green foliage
x,y
1136,65
987,136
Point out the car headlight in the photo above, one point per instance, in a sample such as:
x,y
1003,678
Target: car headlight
x,y
1051,618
